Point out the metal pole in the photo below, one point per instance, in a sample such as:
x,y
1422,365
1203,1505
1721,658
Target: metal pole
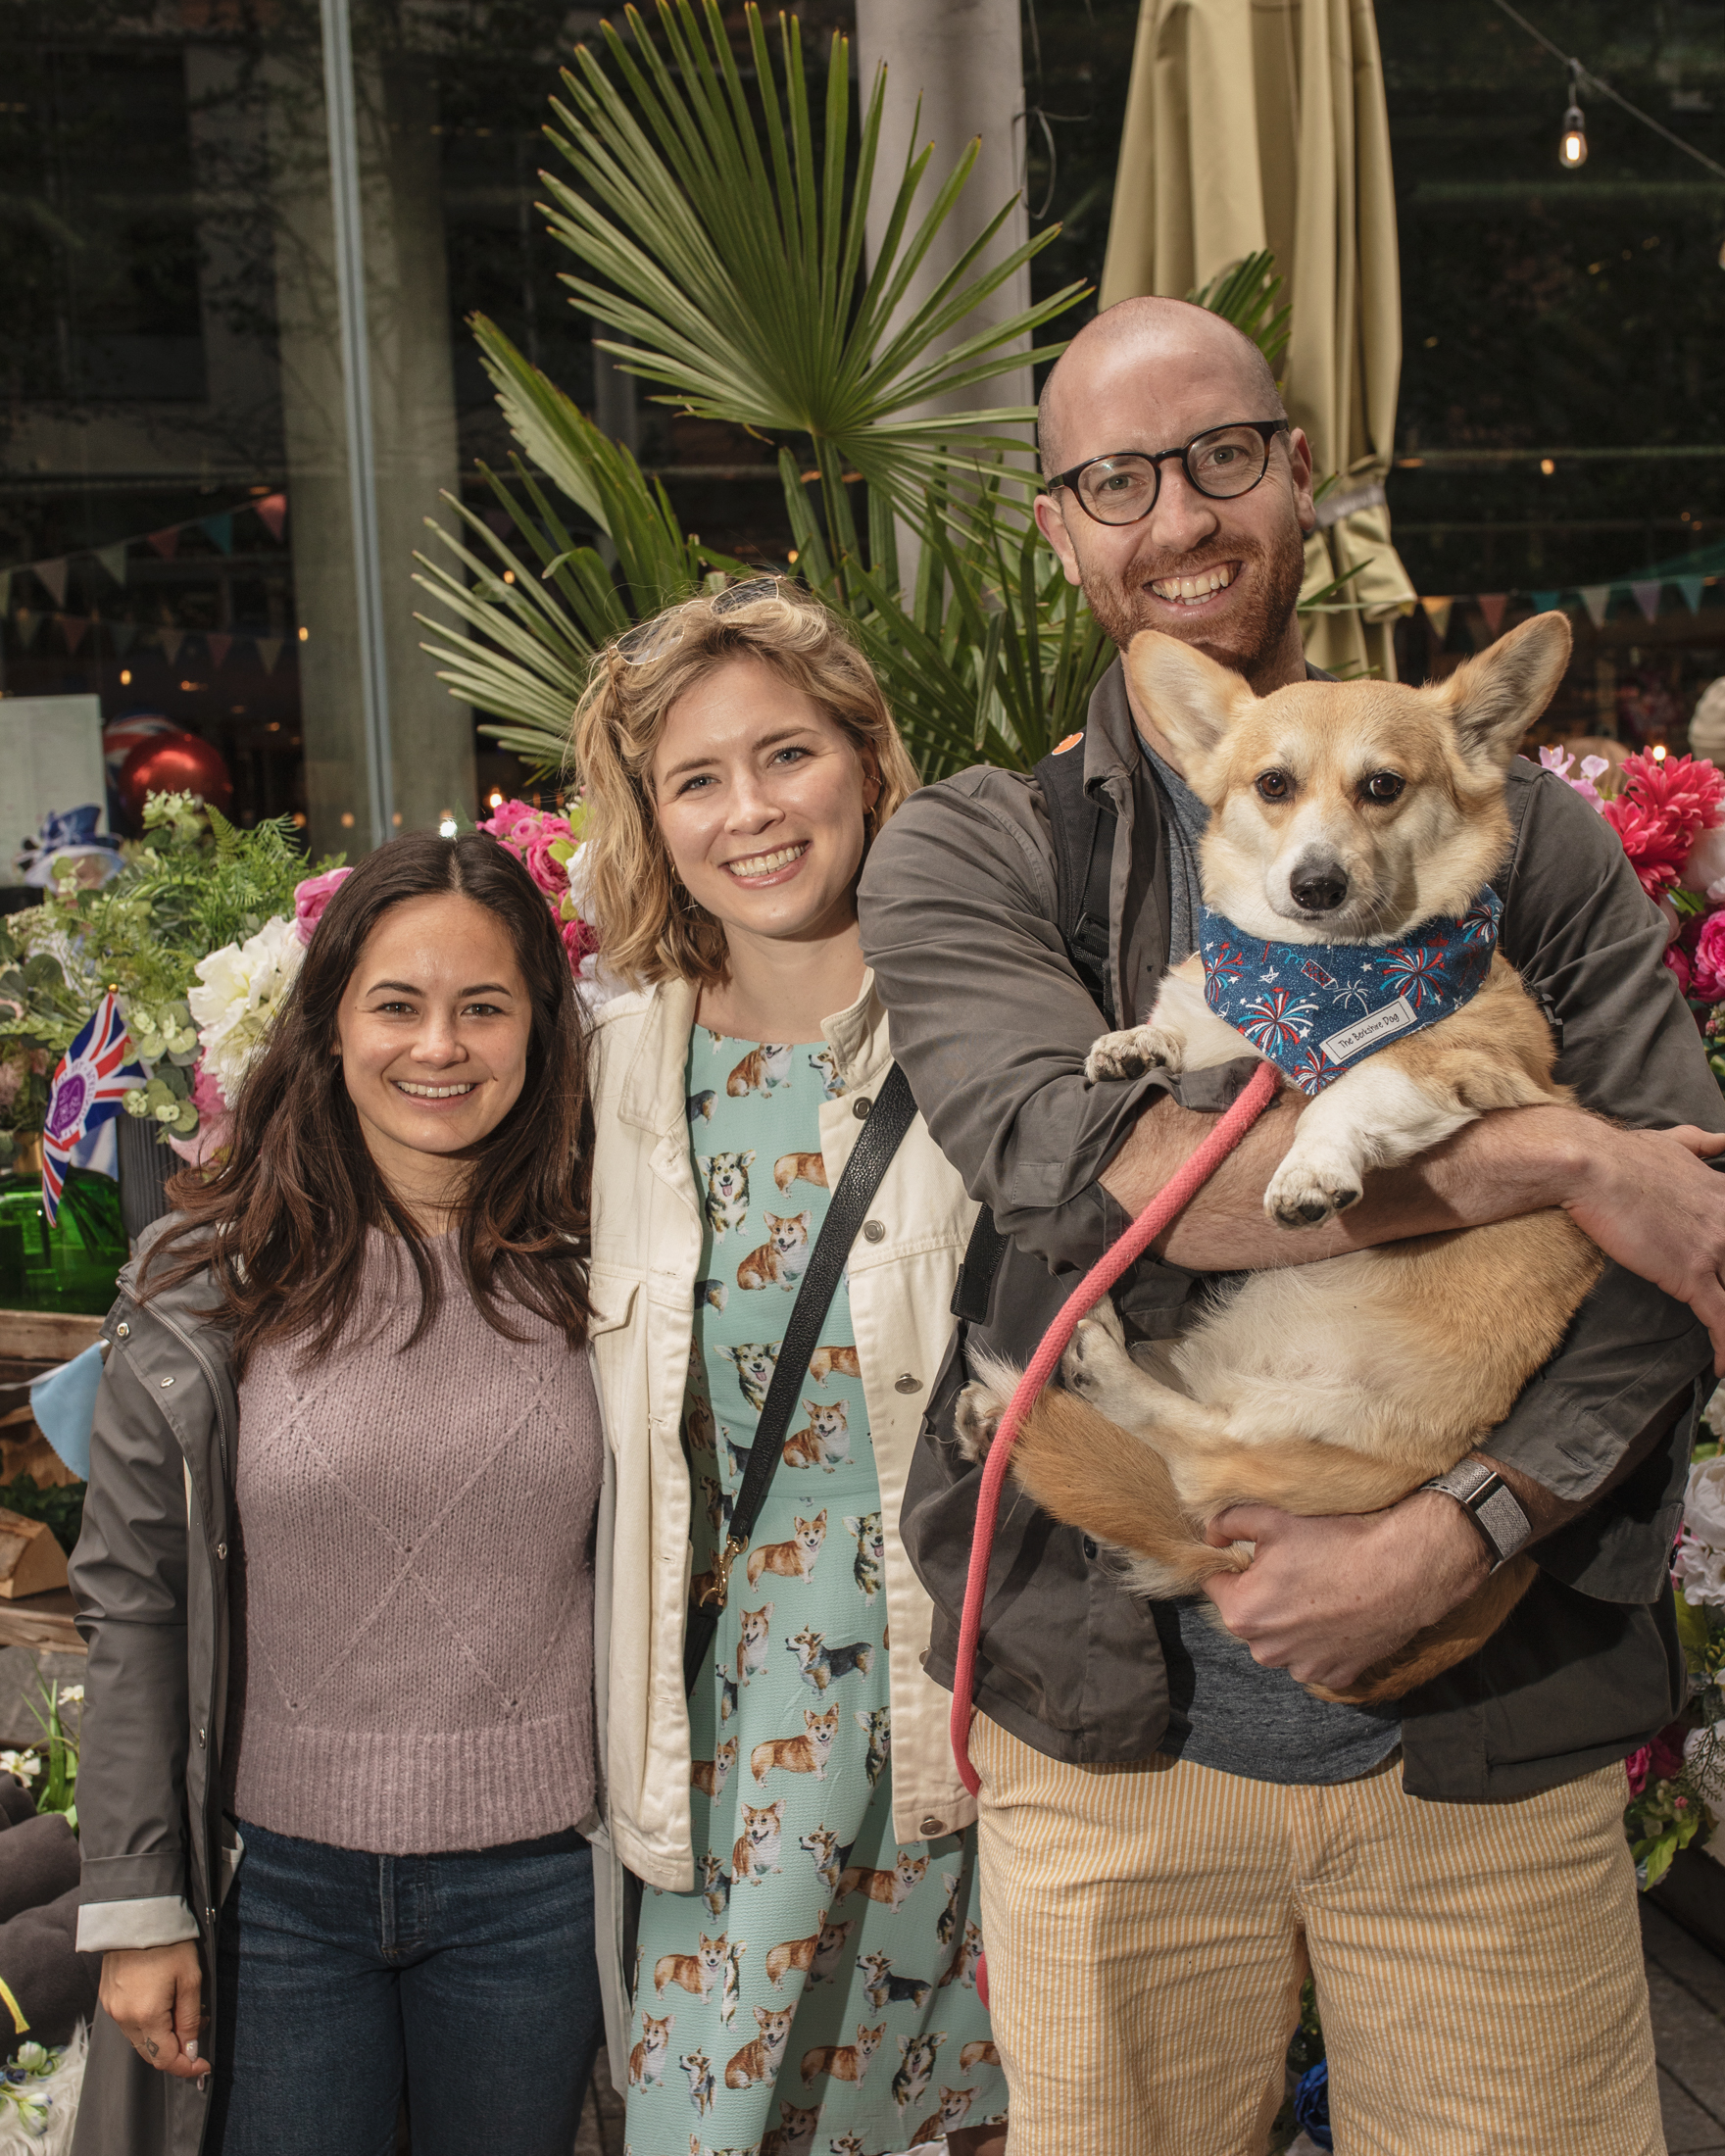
x,y
356,374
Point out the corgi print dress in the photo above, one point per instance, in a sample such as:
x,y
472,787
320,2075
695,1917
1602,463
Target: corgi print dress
x,y
818,1993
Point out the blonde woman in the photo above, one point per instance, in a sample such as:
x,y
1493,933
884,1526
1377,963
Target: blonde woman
x,y
808,1935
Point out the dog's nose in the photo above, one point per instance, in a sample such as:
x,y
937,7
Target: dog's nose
x,y
1319,889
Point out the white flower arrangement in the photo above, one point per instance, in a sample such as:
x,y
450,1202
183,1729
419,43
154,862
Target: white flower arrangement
x,y
239,990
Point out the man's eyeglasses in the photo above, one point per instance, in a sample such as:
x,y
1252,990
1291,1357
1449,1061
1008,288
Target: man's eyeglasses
x,y
1222,463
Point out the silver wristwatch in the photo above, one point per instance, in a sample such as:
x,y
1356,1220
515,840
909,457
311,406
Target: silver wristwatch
x,y
1492,1506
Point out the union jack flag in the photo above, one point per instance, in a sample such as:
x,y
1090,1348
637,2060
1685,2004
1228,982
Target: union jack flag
x,y
1415,971
1275,1021
92,1078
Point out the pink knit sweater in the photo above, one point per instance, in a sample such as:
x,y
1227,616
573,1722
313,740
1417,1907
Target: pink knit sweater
x,y
412,1622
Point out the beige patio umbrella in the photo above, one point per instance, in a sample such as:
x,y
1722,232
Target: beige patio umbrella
x,y
1254,123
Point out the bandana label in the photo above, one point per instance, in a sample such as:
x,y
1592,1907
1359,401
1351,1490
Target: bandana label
x,y
1286,998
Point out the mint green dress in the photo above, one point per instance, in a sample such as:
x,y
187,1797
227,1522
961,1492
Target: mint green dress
x,y
821,1983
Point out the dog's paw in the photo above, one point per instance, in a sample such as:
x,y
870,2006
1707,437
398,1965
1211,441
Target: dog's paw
x,y
1312,1186
1129,1055
1104,1314
1093,1362
976,1416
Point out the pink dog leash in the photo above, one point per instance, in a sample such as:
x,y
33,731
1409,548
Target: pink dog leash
x,y
1176,1194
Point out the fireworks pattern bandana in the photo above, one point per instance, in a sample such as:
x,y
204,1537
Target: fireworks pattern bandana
x,y
1317,1010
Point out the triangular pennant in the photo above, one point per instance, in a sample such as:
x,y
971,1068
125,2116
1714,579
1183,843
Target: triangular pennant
x,y
1692,588
171,640
1545,602
73,628
1436,612
273,509
219,647
1596,599
165,541
1491,604
53,574
26,623
219,528
113,560
269,651
1647,598
125,635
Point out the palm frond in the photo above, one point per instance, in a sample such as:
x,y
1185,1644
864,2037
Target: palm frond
x,y
1246,295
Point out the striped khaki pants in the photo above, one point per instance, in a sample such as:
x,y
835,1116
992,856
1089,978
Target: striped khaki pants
x,y
1478,1967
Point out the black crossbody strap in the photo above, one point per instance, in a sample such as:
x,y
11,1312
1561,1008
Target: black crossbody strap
x,y
1081,830
889,1117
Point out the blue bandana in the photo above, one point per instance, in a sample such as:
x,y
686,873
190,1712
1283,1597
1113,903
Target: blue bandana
x,y
1317,1009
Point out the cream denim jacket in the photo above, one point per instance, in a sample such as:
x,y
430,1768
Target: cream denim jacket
x,y
645,1259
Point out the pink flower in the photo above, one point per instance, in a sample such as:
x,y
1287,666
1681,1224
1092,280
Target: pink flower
x,y
214,1124
581,939
1562,762
1678,961
551,874
508,818
1667,1750
312,896
1656,847
1636,1766
1707,965
1688,791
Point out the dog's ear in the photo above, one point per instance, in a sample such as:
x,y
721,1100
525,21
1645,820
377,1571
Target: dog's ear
x,y
1494,699
1192,699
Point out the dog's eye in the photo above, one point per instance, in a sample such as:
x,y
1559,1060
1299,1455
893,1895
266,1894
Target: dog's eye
x,y
1385,786
1275,785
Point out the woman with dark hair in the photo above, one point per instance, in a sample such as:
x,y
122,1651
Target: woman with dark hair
x,y
336,1570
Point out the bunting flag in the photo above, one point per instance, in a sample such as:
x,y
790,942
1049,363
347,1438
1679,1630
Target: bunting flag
x,y
113,560
1596,599
1545,602
273,509
92,1078
270,650
72,629
1436,612
1491,604
219,647
1692,588
171,640
165,541
125,635
1647,598
24,622
53,574
220,529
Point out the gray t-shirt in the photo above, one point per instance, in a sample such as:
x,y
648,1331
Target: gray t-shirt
x,y
1226,1710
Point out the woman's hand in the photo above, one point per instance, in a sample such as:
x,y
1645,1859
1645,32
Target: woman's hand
x,y
156,1993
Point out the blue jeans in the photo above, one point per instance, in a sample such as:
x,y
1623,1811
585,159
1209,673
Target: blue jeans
x,y
472,1976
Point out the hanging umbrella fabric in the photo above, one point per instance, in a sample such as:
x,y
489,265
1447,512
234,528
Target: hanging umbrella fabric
x,y
1261,123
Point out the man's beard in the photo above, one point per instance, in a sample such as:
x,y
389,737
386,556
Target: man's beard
x,y
1256,632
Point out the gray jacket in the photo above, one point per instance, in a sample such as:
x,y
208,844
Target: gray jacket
x,y
992,1025
151,1578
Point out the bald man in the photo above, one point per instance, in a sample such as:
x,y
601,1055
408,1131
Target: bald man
x,y
1173,1832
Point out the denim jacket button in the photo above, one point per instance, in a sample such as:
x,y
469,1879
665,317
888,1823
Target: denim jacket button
x,y
861,1107
907,1384
873,1230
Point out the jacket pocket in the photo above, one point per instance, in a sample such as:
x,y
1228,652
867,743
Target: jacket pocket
x,y
612,1297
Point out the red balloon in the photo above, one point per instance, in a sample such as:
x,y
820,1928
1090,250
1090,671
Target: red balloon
x,y
175,763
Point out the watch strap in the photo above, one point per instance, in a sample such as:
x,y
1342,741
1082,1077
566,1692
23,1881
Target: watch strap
x,y
1491,1504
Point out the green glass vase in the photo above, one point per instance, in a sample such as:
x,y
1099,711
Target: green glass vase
x,y
72,1265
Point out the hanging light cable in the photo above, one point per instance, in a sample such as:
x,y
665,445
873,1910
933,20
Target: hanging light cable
x,y
1572,143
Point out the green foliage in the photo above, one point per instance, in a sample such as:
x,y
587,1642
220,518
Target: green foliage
x,y
1246,295
61,1506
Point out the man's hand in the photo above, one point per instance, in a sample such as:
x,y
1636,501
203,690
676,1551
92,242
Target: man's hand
x,y
1325,1598
156,1994
1648,1202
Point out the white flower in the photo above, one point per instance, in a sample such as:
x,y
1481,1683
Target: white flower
x,y
25,1765
241,988
1713,1413
71,1696
1699,1572
1703,1502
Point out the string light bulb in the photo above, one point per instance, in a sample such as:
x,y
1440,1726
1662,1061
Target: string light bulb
x,y
1572,142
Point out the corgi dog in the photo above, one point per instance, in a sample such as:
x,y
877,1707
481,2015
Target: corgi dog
x,y
647,2059
727,1692
755,1362
712,1775
794,1953
846,2144
880,1987
759,2061
870,1560
805,1755
701,1104
978,2053
945,2117
711,1294
822,1848
800,1167
963,1968
917,2070
739,1456
826,1441
715,1885
730,1997
826,1063
756,1852
1347,816
946,1922
699,2068
825,1360
843,2062
879,1726
891,1888
761,1070
698,1426
820,1665
830,1951
794,1560
794,2134
755,1637
727,1203
697,1972
782,1258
